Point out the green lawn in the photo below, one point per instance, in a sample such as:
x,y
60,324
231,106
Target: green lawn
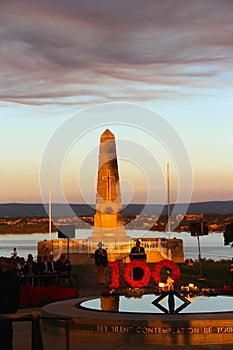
x,y
215,274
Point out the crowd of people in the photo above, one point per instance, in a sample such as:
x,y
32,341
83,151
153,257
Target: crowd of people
x,y
43,271
15,272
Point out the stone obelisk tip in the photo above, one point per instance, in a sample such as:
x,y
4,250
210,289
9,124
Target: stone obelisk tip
x,y
107,135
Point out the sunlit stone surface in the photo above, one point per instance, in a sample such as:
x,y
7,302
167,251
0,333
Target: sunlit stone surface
x,y
108,221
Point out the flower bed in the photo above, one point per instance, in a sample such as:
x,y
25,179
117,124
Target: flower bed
x,y
190,291
209,292
226,290
38,295
134,292
193,291
109,292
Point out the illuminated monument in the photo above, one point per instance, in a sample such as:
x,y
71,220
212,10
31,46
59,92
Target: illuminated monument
x,y
108,220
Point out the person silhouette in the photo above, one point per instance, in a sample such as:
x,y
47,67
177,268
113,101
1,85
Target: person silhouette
x,y
14,254
9,302
137,249
101,262
137,253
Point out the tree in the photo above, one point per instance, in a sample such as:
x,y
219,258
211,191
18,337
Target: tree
x,y
228,235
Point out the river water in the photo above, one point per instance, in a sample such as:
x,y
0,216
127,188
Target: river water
x,y
212,246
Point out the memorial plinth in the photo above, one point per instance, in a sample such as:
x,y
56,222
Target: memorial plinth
x,y
92,326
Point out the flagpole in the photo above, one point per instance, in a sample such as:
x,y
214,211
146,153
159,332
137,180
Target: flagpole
x,y
168,203
50,202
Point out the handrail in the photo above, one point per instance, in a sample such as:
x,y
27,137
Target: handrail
x,y
67,320
124,258
36,334
34,317
55,278
49,275
20,317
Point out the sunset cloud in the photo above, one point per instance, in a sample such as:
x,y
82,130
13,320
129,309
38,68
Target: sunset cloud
x,y
80,52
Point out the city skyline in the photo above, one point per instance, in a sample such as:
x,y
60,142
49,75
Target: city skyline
x,y
117,65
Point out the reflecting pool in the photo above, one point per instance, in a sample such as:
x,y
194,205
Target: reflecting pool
x,y
144,304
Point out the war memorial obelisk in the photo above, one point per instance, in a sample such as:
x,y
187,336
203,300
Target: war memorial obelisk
x,y
108,220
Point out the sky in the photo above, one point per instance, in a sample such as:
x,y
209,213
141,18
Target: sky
x,y
158,74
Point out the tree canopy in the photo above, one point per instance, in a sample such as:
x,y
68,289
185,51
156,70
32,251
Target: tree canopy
x,y
228,235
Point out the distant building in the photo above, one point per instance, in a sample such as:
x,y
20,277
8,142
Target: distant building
x,y
193,217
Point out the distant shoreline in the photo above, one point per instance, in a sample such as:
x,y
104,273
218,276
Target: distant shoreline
x,y
64,210
25,228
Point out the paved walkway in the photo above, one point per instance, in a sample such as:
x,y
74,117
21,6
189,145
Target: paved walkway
x,y
90,286
22,330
